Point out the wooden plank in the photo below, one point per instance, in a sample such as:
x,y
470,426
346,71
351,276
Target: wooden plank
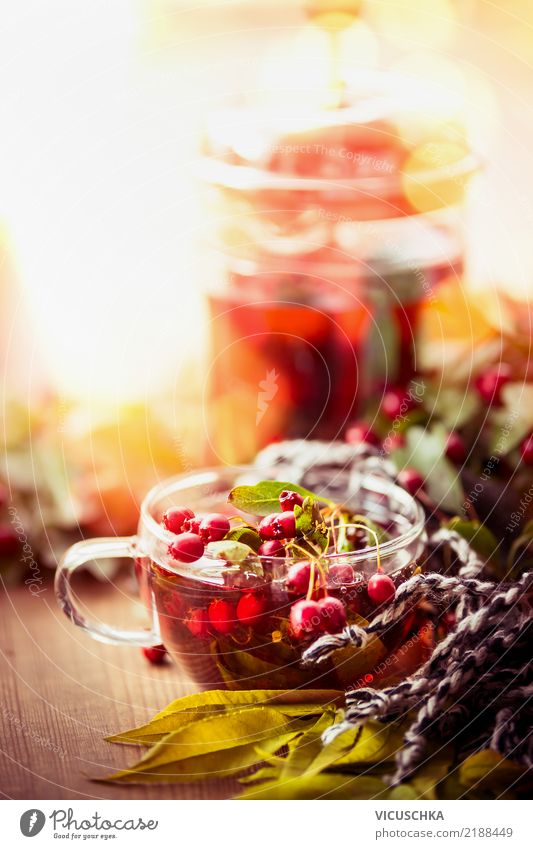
x,y
62,692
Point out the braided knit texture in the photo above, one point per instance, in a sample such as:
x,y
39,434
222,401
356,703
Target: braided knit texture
x,y
476,688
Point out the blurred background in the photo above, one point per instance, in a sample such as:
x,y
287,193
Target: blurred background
x,y
224,223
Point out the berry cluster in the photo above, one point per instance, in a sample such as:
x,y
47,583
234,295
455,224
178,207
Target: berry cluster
x,y
311,607
193,533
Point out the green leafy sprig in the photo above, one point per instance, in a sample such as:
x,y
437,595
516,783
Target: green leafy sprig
x,y
278,733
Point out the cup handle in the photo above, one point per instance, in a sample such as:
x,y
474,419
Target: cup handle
x,y
79,554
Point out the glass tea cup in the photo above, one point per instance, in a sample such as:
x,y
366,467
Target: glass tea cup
x,y
227,624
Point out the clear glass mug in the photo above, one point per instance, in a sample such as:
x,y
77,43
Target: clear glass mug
x,y
215,648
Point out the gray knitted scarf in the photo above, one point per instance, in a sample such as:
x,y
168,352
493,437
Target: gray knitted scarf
x,y
477,686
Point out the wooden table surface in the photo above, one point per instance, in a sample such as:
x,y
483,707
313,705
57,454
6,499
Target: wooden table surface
x,y
62,692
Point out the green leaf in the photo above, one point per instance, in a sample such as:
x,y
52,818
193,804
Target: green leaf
x,y
425,451
263,498
210,734
234,552
351,663
519,559
479,536
487,774
186,710
452,406
156,729
347,519
428,779
246,535
402,792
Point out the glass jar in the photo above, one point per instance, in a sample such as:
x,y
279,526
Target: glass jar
x,y
330,231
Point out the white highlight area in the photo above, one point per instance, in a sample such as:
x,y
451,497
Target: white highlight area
x,y
96,192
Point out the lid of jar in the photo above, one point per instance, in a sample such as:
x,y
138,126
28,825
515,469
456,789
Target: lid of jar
x,y
386,141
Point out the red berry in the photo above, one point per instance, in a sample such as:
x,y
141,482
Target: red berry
x,y
333,614
278,526
455,448
174,519
192,525
272,548
305,619
526,450
490,384
214,527
340,574
411,480
449,620
396,402
198,623
381,588
361,432
187,548
155,654
222,615
250,608
394,441
297,580
9,541
288,499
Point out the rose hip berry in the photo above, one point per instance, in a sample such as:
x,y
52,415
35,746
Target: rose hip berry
x,y
526,450
333,614
155,654
455,448
297,580
288,499
340,574
187,548
381,588
411,480
278,526
174,519
222,615
361,432
214,527
396,402
490,384
272,548
250,608
9,541
192,525
198,623
305,619
394,441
